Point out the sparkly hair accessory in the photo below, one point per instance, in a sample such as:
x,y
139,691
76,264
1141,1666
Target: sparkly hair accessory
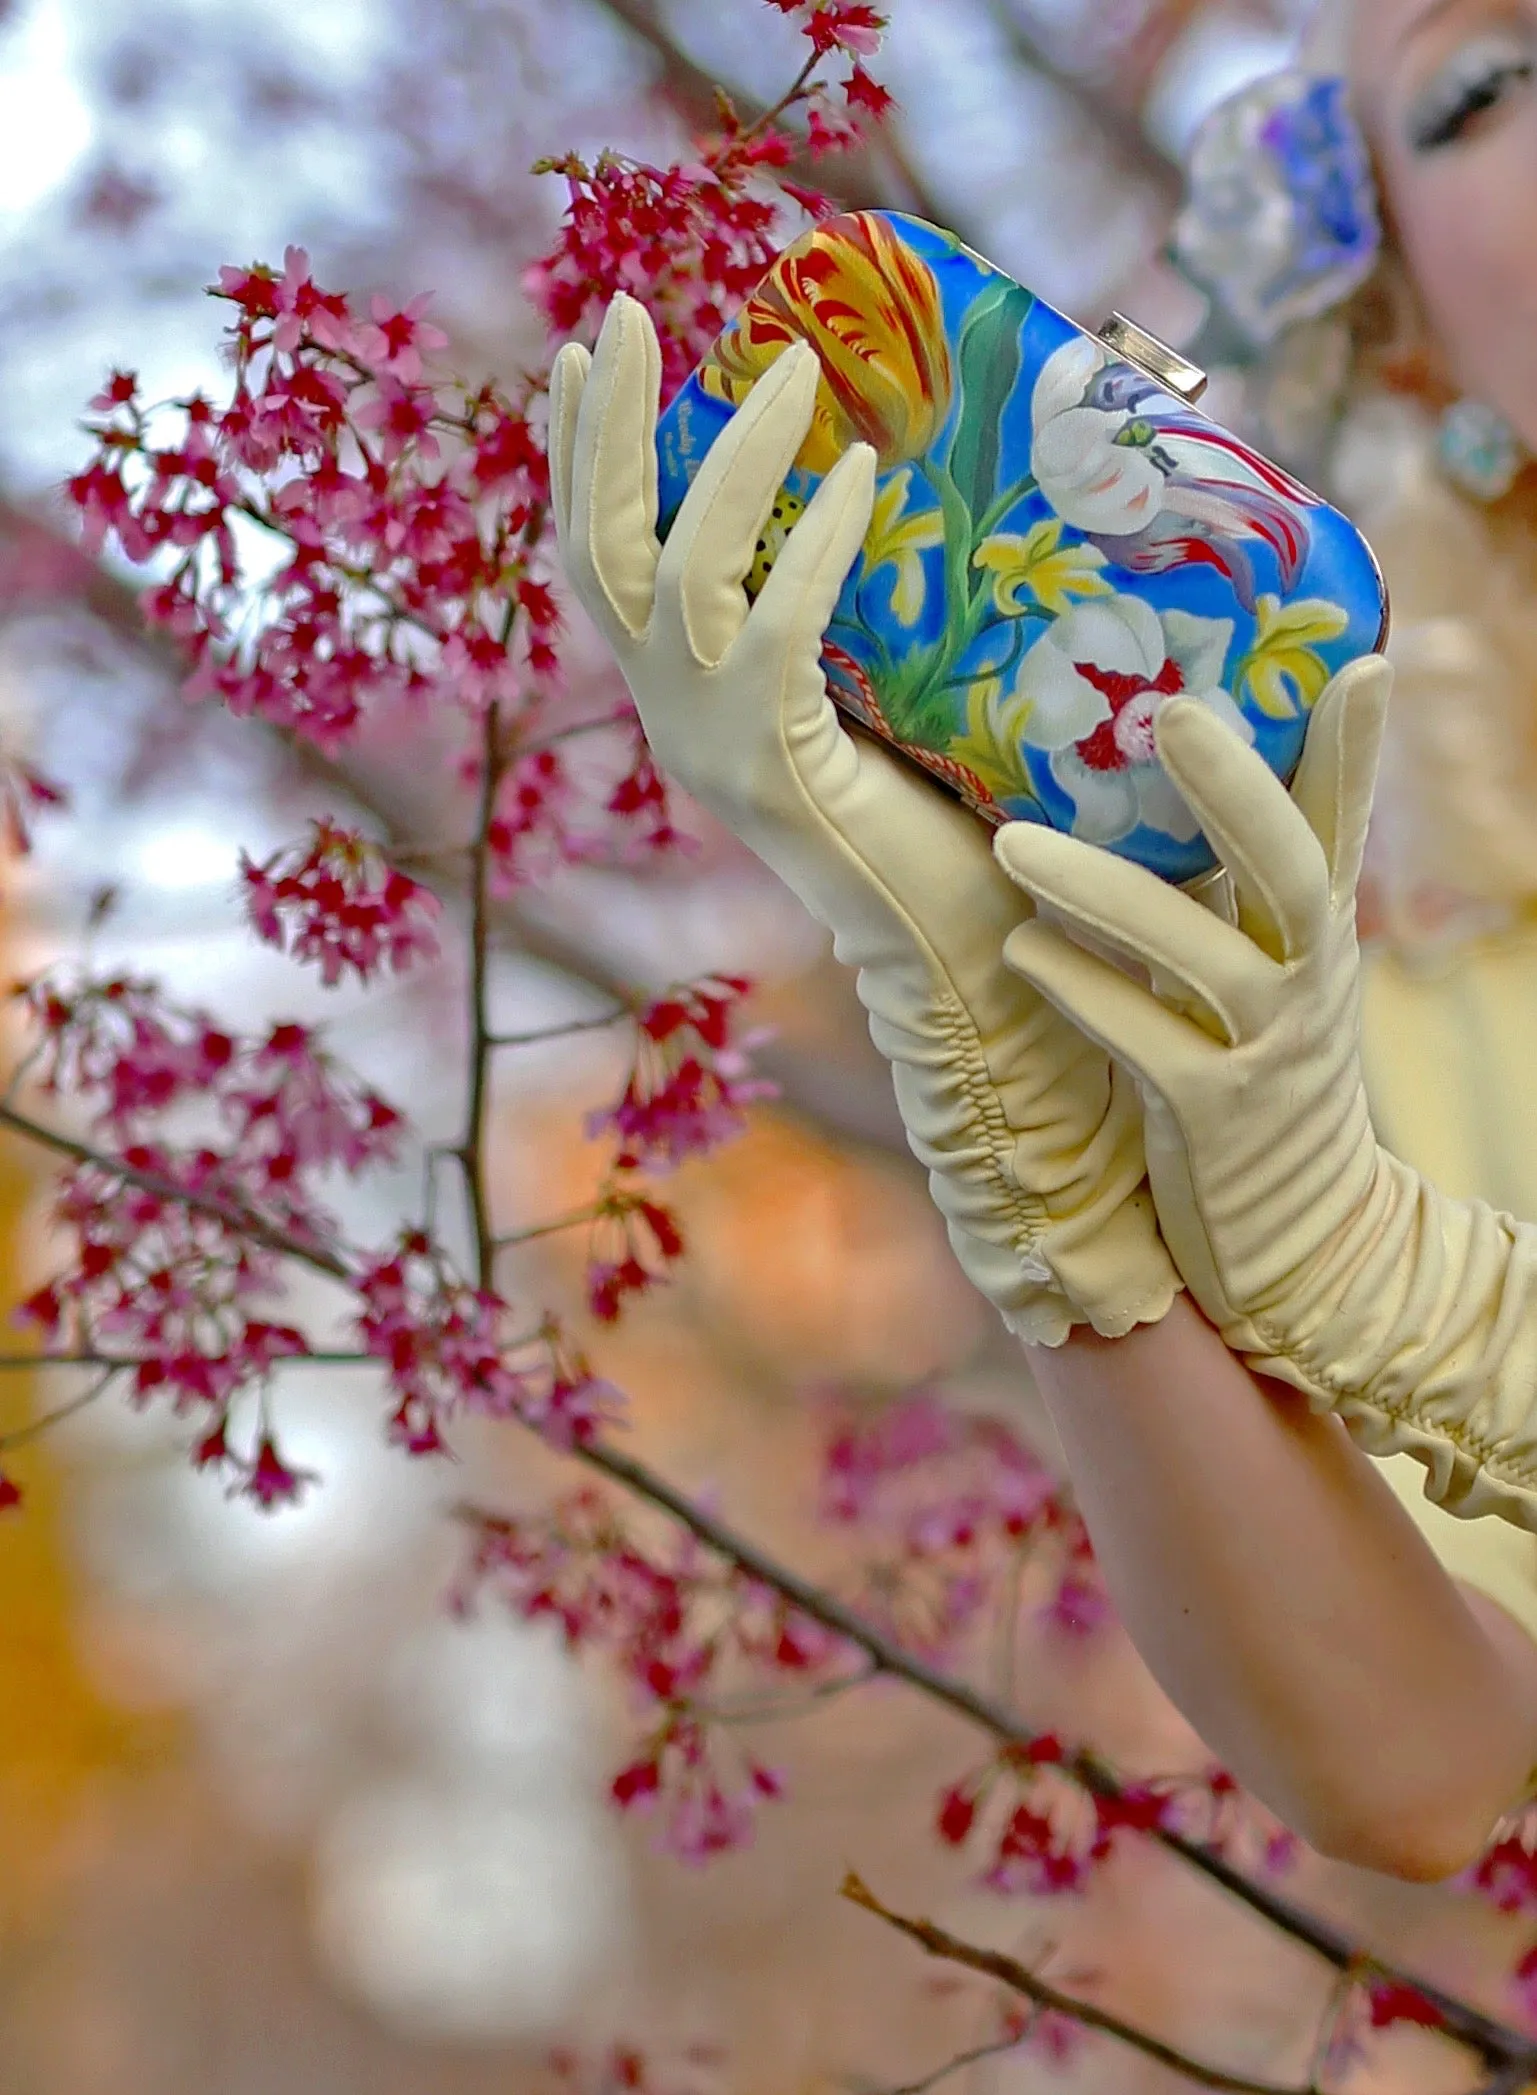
x,y
1281,224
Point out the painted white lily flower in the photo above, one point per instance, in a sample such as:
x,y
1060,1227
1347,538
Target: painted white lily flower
x,y
1089,691
1091,481
1151,482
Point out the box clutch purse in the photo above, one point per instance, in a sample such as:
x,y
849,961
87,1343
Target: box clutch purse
x,y
1060,539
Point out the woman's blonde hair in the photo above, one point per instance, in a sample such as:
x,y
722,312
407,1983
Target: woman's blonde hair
x,y
1455,837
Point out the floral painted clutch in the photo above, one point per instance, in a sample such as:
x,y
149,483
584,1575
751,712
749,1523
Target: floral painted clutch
x,y
1060,540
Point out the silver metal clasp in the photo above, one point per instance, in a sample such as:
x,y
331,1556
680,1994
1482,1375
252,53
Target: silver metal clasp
x,y
1165,366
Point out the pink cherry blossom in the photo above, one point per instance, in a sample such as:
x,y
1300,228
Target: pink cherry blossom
x,y
395,340
271,1482
338,903
691,1085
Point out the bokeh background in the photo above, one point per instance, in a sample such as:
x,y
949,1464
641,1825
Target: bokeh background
x,y
269,1819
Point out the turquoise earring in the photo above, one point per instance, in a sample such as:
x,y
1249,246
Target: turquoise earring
x,y
1479,451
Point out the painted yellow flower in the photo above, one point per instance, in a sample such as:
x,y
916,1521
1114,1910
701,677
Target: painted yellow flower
x,y
896,540
1284,670
870,307
990,742
1039,567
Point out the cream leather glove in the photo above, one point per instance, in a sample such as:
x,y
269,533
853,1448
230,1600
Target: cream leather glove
x,y
1034,1151
1321,1259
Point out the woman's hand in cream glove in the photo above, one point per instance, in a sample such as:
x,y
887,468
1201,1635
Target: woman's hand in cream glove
x,y
1321,1259
1033,1148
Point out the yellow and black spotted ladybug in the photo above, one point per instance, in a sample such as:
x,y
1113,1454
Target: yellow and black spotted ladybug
x,y
787,508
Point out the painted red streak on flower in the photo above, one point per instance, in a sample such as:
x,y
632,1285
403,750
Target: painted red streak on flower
x,y
11,1495
1127,736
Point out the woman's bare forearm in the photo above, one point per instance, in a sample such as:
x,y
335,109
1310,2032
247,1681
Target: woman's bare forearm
x,y
1287,1603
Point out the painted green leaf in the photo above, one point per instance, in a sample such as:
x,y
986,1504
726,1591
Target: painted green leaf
x,y
988,361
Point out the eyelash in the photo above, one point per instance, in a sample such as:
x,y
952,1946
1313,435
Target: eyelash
x,y
1473,97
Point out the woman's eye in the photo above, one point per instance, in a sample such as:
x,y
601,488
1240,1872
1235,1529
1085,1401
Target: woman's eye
x,y
1478,77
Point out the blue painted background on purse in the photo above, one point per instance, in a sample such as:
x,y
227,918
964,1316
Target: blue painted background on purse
x,y
1144,552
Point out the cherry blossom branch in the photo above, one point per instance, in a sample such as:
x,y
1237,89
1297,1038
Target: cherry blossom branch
x,y
472,1151
21,1363
695,93
1496,2043
994,1964
240,1220
804,1705
1492,2039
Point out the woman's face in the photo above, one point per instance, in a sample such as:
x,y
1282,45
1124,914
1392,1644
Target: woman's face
x,y
1449,92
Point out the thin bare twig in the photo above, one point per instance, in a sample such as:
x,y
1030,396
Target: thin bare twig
x,y
1516,2079
239,1219
1329,2021
994,1964
473,1148
536,1230
957,2065
803,1705
558,735
34,1428
561,1032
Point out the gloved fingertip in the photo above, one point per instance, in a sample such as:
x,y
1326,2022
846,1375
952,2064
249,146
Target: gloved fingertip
x,y
855,470
1019,848
799,368
1366,682
1180,720
572,362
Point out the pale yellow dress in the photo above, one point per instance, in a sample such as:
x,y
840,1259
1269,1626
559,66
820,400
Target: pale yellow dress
x,y
1451,1066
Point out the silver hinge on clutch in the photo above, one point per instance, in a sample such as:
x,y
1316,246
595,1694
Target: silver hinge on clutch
x,y
1165,366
